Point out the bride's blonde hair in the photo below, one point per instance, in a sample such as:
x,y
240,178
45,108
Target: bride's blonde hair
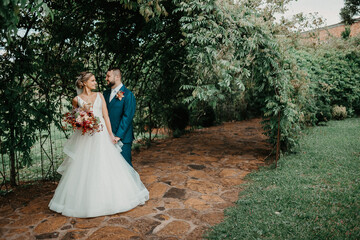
x,y
82,78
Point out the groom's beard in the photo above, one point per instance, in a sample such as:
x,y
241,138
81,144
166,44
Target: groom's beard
x,y
110,84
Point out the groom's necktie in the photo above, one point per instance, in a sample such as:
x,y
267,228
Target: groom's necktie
x,y
112,95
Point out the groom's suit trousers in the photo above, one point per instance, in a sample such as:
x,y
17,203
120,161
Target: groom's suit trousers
x,y
126,152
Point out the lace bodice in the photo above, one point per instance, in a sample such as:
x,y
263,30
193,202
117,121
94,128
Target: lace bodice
x,y
97,107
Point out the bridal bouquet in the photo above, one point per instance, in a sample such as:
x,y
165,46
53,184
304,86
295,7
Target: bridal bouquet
x,y
84,120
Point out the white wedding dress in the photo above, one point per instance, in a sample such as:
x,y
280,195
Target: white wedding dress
x,y
96,179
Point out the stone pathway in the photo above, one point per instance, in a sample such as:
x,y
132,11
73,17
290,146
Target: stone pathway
x,y
191,180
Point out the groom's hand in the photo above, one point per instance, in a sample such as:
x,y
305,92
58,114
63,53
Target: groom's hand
x,y
116,139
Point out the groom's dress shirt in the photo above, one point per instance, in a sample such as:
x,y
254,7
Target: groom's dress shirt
x,y
114,91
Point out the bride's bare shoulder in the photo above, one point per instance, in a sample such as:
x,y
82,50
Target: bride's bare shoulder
x,y
101,95
75,101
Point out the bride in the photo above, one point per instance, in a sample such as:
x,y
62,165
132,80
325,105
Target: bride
x,y
96,179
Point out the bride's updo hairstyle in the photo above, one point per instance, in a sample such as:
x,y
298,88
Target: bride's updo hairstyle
x,y
82,78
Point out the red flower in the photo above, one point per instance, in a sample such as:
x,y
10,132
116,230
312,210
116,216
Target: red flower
x,y
120,95
84,120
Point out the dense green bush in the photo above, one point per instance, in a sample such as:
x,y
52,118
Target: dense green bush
x,y
204,117
179,118
339,112
332,71
323,112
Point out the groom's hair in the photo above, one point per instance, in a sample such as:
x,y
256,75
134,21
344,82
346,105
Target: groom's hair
x,y
116,71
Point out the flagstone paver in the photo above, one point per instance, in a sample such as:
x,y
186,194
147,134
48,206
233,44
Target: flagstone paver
x,y
191,180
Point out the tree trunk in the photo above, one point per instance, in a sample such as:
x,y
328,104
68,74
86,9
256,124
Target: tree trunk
x,y
150,123
12,158
278,142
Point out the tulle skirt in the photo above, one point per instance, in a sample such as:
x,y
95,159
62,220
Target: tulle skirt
x,y
96,180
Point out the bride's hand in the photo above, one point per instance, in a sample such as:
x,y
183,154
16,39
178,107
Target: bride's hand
x,y
112,139
88,106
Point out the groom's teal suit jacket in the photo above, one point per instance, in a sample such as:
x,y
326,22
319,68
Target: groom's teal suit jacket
x,y
121,113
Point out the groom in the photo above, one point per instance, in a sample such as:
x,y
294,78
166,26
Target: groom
x,y
121,104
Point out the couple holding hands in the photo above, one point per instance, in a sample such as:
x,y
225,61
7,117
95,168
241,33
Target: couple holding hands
x,y
97,176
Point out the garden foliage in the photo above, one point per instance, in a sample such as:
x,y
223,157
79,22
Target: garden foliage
x,y
332,71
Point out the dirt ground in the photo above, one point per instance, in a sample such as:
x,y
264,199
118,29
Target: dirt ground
x,y
191,180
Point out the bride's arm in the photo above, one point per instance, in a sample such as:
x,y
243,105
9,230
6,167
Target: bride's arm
x,y
75,102
106,117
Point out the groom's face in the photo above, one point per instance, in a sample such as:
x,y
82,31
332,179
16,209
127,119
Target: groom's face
x,y
110,78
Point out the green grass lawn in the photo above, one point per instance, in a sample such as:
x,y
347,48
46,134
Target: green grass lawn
x,y
313,194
